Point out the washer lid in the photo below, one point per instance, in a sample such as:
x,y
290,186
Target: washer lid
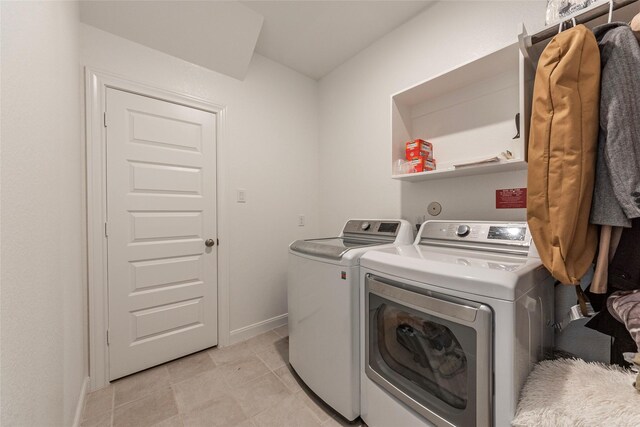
x,y
356,234
332,247
481,273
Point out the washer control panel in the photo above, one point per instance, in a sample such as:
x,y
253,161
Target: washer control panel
x,y
486,233
372,227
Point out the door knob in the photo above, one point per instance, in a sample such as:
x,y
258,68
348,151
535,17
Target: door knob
x,y
210,242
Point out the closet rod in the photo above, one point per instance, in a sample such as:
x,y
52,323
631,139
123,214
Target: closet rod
x,y
581,18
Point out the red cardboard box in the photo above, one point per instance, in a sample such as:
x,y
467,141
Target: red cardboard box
x,y
417,164
419,148
429,164
422,164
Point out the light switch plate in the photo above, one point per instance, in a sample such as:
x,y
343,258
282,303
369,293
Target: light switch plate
x,y
242,195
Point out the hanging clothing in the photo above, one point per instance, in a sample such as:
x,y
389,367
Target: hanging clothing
x,y
624,306
624,275
562,153
609,239
616,198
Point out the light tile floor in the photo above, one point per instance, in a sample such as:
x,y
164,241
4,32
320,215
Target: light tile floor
x,y
249,384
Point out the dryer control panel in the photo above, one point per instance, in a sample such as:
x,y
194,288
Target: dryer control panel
x,y
477,234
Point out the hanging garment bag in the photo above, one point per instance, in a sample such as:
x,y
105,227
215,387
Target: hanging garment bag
x,y
562,153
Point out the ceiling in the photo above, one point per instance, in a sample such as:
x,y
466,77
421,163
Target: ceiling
x,y
219,35
312,37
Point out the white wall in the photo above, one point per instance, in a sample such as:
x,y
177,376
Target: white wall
x,y
43,310
269,149
355,123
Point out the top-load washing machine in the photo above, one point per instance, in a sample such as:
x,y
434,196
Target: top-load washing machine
x,y
452,325
323,298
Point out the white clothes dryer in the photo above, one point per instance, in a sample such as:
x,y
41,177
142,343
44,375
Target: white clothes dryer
x,y
323,298
452,325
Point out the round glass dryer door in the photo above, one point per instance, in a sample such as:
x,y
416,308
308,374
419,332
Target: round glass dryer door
x,y
431,351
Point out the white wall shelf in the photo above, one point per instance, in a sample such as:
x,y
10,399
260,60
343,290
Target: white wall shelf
x,y
467,113
502,166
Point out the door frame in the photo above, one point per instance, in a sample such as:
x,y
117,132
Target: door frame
x,y
96,84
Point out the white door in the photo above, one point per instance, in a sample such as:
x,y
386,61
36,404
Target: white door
x,y
161,210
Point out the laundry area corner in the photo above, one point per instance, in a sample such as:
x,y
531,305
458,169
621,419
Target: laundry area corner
x,y
320,213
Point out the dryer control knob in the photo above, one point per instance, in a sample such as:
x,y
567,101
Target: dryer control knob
x,y
463,230
365,226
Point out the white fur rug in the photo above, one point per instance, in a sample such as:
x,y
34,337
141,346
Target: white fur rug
x,y
572,392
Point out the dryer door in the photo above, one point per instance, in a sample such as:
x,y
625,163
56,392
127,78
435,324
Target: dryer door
x,y
431,351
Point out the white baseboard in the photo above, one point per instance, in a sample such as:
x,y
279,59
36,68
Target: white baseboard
x,y
250,331
80,406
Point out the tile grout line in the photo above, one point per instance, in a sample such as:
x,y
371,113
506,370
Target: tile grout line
x,y
263,362
274,370
295,393
173,391
238,403
84,416
113,405
271,371
281,336
211,357
153,389
149,393
175,402
283,383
